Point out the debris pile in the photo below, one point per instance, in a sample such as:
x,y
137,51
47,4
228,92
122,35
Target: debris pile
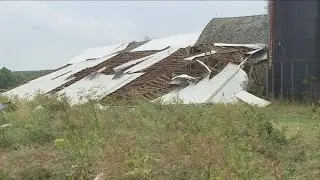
x,y
175,66
221,55
218,76
152,71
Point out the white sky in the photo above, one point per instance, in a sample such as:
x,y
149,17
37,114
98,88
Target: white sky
x,y
38,35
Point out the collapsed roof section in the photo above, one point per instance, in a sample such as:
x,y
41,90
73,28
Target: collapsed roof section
x,y
152,75
58,80
51,81
104,60
98,52
108,80
174,41
96,86
228,86
159,69
182,74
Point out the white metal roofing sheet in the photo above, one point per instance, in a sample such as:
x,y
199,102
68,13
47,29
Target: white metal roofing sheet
x,y
202,91
98,52
228,86
200,55
151,60
252,46
175,41
53,80
129,64
252,99
96,86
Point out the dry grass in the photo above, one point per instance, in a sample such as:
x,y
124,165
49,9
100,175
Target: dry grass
x,y
152,141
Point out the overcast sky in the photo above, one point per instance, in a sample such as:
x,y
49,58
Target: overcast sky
x,y
45,35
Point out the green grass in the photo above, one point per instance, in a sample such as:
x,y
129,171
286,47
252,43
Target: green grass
x,y
152,141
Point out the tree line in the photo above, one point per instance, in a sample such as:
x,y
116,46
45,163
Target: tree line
x,y
10,79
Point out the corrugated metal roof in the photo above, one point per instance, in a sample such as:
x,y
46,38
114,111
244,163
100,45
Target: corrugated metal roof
x,y
96,86
53,80
147,71
251,46
151,60
228,86
174,41
98,52
251,99
200,55
201,92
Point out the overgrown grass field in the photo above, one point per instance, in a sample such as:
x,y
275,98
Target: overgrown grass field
x,y
153,141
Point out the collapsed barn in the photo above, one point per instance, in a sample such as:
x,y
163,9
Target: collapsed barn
x,y
195,68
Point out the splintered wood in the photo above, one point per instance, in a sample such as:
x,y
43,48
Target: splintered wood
x,y
156,78
108,66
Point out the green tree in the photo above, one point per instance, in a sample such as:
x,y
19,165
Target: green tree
x,y
8,79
